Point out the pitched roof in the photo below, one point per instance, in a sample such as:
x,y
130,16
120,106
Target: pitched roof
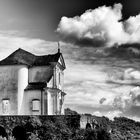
x,y
36,86
22,57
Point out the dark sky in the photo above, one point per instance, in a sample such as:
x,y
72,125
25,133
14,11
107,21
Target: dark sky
x,y
40,18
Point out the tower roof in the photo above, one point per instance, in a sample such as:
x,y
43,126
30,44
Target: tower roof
x,y
22,57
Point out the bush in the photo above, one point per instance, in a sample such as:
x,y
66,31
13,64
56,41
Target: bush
x,y
78,134
33,136
90,135
103,134
57,130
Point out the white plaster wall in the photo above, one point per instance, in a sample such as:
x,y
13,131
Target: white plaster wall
x,y
22,84
50,103
53,95
53,101
63,105
40,73
61,84
28,97
9,87
59,78
58,101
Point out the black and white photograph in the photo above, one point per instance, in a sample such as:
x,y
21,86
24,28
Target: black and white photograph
x,y
69,69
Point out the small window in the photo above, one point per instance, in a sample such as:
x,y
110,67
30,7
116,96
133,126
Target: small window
x,y
5,106
35,105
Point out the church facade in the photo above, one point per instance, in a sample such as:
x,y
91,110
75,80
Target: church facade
x,y
31,84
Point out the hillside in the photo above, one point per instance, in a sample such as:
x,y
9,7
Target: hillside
x,y
120,128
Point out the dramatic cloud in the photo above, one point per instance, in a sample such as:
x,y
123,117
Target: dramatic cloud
x,y
87,76
10,41
126,102
110,114
128,76
100,27
132,74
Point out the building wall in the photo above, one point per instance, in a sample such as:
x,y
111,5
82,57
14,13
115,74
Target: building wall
x,y
15,78
29,96
63,105
58,88
52,101
49,102
54,97
53,94
22,84
43,74
9,88
40,73
58,77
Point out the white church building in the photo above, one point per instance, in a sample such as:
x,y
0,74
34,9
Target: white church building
x,y
31,84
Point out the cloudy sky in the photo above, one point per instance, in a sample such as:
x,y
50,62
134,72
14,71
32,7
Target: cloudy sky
x,y
100,42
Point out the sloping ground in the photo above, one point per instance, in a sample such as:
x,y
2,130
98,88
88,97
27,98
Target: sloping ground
x,y
120,128
125,128
101,128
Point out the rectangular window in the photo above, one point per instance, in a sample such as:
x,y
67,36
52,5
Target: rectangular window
x,y
36,105
5,106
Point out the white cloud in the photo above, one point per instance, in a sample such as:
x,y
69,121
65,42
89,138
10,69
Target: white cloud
x,y
97,113
109,114
133,27
132,74
100,27
125,102
9,43
128,76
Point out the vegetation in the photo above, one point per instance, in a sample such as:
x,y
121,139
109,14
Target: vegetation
x,y
68,111
119,129
124,128
100,128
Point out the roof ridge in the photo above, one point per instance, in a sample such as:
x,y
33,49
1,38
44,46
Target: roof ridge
x,y
20,49
21,56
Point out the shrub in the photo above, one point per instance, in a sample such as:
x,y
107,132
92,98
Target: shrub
x,y
102,134
33,136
